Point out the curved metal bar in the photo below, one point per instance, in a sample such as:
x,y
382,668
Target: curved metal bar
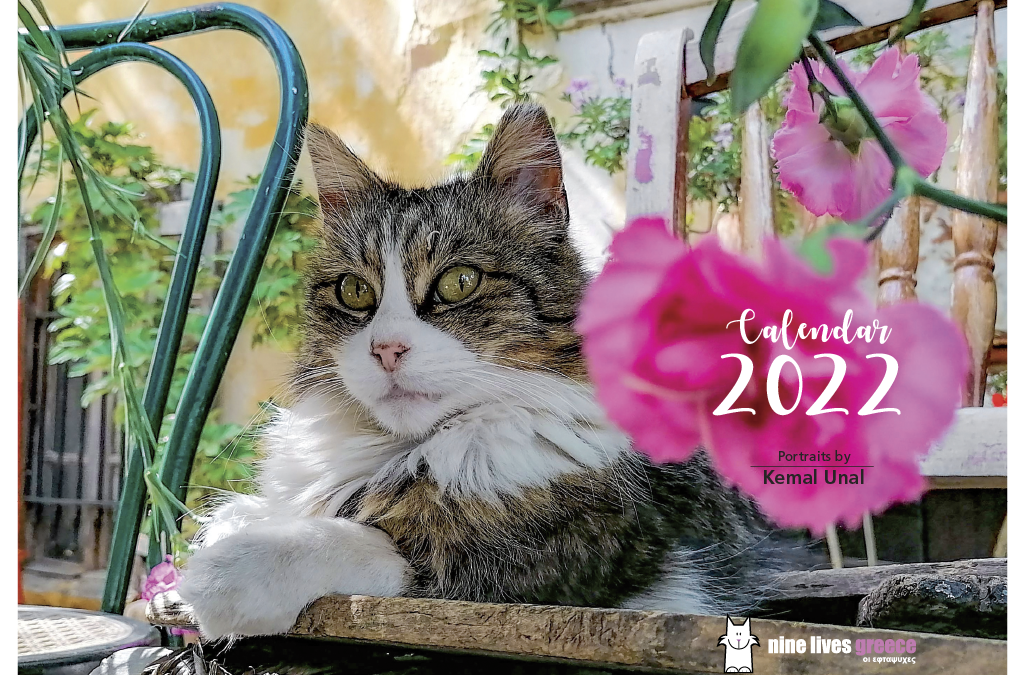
x,y
186,263
240,278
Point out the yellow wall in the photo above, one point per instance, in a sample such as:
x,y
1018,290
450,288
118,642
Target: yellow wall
x,y
376,69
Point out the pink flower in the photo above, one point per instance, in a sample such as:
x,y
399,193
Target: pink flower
x,y
163,577
658,319
849,180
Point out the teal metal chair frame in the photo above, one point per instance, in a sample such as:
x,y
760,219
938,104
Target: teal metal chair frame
x,y
127,40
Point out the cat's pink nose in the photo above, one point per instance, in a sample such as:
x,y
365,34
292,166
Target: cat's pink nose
x,y
388,354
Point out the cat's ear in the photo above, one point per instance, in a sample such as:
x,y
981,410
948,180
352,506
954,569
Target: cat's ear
x,y
341,177
522,158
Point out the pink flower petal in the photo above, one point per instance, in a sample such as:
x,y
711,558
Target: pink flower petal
x,y
656,365
921,141
871,183
821,173
817,170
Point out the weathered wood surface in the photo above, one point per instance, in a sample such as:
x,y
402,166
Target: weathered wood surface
x,y
658,128
850,582
974,238
610,637
596,12
878,17
975,447
757,212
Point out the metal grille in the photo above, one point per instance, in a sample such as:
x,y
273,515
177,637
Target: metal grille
x,y
72,468
42,631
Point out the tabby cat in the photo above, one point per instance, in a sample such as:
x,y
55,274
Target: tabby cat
x,y
443,440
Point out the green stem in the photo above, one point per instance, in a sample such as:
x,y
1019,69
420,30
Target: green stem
x,y
910,21
949,198
830,62
883,212
814,86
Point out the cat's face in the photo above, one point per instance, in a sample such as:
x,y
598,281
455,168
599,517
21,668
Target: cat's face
x,y
738,635
422,303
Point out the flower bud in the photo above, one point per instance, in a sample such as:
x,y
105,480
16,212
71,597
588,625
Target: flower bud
x,y
844,123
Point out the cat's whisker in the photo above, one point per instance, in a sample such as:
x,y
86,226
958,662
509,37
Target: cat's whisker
x,y
532,364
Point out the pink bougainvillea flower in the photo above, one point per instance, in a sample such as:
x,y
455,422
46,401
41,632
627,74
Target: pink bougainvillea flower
x,y
659,318
162,578
830,172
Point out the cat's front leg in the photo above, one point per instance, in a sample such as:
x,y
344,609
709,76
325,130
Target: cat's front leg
x,y
257,580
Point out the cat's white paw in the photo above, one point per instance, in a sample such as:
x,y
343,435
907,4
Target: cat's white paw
x,y
235,588
256,581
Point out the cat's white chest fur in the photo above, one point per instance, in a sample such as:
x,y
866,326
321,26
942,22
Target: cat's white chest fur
x,y
319,454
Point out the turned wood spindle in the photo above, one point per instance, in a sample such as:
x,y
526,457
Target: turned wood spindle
x,y
974,237
898,247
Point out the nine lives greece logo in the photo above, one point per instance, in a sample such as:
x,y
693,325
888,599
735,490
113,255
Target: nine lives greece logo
x,y
739,641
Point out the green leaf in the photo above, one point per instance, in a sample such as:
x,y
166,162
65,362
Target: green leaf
x,y
770,44
709,37
833,15
43,249
814,247
559,16
42,43
910,21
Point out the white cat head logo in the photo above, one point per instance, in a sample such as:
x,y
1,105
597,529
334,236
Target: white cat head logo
x,y
738,643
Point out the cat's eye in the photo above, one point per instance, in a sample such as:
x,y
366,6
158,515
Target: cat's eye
x,y
457,283
355,293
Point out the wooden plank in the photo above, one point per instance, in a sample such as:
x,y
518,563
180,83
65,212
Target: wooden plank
x,y
974,238
657,640
975,446
967,483
878,15
757,202
658,128
852,582
593,12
